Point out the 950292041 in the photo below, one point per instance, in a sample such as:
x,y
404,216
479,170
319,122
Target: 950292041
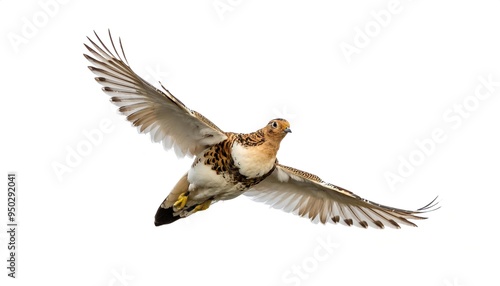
x,y
11,197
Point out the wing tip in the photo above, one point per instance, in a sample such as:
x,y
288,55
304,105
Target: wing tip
x,y
336,219
393,223
379,224
432,206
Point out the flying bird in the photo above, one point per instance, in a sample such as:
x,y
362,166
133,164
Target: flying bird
x,y
228,164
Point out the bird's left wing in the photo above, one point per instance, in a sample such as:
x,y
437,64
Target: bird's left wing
x,y
153,111
307,195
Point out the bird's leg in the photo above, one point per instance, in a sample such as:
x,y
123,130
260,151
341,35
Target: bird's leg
x,y
203,206
181,201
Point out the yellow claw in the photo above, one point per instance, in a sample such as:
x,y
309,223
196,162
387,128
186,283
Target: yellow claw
x,y
181,202
203,206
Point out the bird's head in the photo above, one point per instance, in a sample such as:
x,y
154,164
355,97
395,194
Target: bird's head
x,y
277,128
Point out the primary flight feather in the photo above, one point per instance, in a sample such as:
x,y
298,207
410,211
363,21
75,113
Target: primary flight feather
x,y
229,164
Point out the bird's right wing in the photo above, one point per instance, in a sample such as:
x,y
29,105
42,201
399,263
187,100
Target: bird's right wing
x,y
153,111
307,195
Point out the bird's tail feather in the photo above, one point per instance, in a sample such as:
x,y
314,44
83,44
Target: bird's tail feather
x,y
165,213
165,216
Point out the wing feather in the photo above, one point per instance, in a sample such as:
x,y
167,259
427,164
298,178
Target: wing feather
x,y
306,194
151,110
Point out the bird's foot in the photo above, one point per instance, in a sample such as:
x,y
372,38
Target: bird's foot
x,y
181,202
203,206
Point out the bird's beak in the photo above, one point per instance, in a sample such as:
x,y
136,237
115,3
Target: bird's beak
x,y
287,130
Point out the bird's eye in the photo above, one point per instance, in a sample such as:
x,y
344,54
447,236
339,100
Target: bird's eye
x,y
274,124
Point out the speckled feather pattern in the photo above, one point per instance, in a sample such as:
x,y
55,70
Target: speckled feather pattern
x,y
219,158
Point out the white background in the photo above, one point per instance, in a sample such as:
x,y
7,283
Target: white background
x,y
352,121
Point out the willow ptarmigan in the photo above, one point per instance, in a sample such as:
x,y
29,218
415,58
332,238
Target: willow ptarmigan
x,y
229,164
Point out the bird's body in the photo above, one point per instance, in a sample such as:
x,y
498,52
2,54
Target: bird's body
x,y
229,164
227,169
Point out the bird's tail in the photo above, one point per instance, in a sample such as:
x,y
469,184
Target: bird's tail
x,y
179,205
165,216
165,213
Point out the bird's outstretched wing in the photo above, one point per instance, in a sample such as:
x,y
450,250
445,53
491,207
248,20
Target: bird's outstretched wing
x,y
307,195
153,111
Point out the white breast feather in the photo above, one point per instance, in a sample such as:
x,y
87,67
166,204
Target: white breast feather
x,y
250,161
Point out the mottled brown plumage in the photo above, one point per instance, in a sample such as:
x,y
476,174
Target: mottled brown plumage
x,y
228,164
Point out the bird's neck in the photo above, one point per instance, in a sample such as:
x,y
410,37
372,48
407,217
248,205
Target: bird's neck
x,y
261,142
251,139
